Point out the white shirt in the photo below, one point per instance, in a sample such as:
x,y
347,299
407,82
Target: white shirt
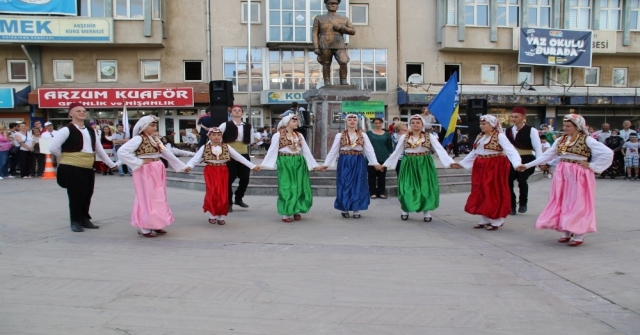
x,y
189,138
601,156
269,161
127,155
258,138
392,161
334,153
240,126
535,139
18,138
625,133
507,149
217,150
47,134
179,152
63,135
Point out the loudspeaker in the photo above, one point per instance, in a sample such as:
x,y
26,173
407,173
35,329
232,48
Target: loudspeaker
x,y
221,92
476,108
219,115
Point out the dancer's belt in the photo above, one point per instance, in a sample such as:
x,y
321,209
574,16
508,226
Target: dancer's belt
x,y
80,159
351,152
573,161
287,154
150,159
417,153
215,164
490,156
525,152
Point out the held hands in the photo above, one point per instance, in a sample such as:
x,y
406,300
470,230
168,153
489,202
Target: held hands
x,y
521,168
186,170
322,168
455,166
256,169
379,167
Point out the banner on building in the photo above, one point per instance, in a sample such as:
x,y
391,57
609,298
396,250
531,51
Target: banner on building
x,y
555,47
369,109
6,97
57,7
116,97
56,29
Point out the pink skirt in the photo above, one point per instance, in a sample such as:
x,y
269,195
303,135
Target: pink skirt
x,y
150,208
571,201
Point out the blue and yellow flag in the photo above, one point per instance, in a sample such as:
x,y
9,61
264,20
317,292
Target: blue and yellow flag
x,y
445,107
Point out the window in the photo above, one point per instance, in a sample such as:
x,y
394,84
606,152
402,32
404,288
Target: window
x,y
579,14
18,70
413,69
610,14
62,70
150,70
292,21
129,9
255,12
452,14
286,70
476,12
619,77
489,74
368,69
592,76
155,10
256,118
634,8
508,13
107,70
539,13
193,71
563,75
235,68
525,75
360,14
92,8
450,69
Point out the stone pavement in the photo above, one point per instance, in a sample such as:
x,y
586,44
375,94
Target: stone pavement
x,y
322,275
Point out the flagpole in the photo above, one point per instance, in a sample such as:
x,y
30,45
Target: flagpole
x,y
249,60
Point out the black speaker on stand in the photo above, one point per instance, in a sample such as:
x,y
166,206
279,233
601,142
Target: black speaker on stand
x,y
475,109
220,98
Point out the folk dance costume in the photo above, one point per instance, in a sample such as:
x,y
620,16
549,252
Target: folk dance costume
x,y
76,148
239,137
151,212
418,189
294,161
216,176
571,207
352,177
490,163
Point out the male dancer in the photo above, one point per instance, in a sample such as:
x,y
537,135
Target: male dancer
x,y
238,135
76,146
527,141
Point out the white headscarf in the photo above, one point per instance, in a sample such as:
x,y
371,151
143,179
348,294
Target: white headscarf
x,y
579,122
493,121
214,130
143,123
285,120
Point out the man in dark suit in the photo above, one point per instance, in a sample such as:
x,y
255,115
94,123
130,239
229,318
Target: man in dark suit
x,y
205,123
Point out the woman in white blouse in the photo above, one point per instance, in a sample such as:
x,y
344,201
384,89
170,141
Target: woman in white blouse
x,y
290,152
490,162
151,213
215,155
571,207
24,140
418,189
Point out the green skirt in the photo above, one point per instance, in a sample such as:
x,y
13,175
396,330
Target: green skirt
x,y
294,186
418,189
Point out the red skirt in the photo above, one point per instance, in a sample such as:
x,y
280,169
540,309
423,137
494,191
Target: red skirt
x,y
490,195
216,200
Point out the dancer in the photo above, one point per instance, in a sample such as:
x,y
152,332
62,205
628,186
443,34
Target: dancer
x,y
490,164
238,134
291,153
151,213
418,189
351,182
76,147
571,207
215,154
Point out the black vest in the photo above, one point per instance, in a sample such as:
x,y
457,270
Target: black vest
x,y
231,133
75,142
522,139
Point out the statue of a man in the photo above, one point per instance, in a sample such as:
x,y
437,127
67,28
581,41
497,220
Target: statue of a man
x,y
328,40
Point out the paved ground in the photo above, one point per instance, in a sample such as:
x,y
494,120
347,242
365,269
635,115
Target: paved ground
x,y
323,275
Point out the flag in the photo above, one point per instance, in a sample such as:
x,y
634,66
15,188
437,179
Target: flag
x,y
445,107
125,119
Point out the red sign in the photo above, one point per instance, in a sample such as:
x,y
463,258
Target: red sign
x,y
116,97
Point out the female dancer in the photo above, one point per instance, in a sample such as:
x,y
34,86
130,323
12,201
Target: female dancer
x,y
107,143
383,147
291,153
151,213
352,189
215,154
418,189
571,207
490,162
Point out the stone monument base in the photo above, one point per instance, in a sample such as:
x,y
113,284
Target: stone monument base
x,y
326,105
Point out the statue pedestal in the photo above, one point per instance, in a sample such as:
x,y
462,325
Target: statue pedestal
x,y
326,105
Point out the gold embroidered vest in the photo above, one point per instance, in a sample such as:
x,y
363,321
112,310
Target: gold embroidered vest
x,y
426,143
493,143
146,148
284,141
578,147
209,156
345,140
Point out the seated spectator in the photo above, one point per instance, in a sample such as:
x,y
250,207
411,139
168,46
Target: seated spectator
x,y
189,140
464,146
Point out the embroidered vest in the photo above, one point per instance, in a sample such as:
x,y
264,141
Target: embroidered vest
x,y
209,156
284,141
146,147
522,140
493,143
75,142
345,140
578,147
425,144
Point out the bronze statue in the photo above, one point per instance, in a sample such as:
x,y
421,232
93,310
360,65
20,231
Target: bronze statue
x,y
328,41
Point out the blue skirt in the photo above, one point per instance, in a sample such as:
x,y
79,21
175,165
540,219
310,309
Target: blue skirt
x,y
352,184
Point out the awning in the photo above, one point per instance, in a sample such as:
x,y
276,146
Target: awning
x,y
14,95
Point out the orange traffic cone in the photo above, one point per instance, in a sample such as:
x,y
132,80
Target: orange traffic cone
x,y
49,172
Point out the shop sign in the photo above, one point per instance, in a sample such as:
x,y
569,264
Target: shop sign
x,y
555,47
6,98
281,97
55,29
49,7
604,41
369,109
116,97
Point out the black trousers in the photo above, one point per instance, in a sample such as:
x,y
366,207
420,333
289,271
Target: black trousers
x,y
398,167
456,152
26,158
238,170
13,162
79,183
37,166
377,181
522,178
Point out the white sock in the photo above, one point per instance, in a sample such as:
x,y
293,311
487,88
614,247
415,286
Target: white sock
x,y
577,237
145,231
405,213
566,234
212,217
485,220
427,214
220,217
497,222
286,217
356,212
